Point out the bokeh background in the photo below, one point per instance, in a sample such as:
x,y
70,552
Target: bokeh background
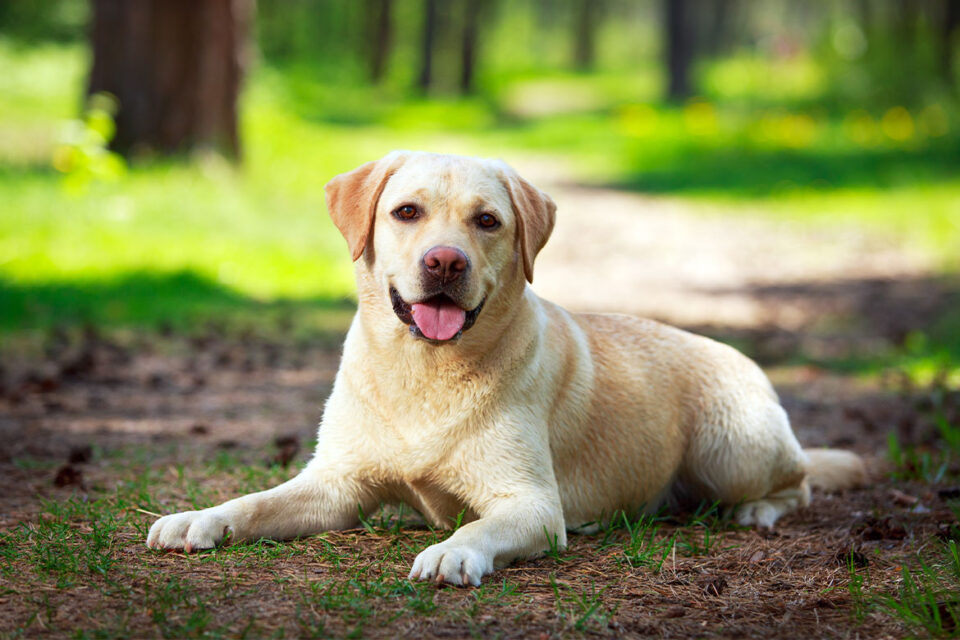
x,y
162,163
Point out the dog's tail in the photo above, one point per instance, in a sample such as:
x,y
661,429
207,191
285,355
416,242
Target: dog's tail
x,y
834,469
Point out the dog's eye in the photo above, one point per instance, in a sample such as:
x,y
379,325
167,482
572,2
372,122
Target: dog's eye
x,y
487,221
406,212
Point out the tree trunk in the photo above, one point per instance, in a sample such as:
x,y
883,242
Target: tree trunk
x,y
584,34
719,26
867,15
951,24
380,14
428,36
175,67
906,27
679,49
468,44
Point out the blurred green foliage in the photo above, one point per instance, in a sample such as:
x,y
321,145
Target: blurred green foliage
x,y
29,22
82,154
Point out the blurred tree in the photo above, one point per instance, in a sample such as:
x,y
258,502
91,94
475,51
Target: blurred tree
x,y
428,35
679,49
175,67
585,19
951,26
866,12
718,31
906,22
379,14
468,44
548,13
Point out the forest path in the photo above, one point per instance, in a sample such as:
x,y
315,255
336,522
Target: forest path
x,y
697,264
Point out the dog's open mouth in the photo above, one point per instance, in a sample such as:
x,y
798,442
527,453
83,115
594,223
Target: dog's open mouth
x,y
437,318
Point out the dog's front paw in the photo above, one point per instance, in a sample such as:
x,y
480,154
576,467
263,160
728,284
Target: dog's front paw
x,y
190,530
458,565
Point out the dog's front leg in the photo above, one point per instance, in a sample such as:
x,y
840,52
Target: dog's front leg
x,y
514,528
513,490
318,499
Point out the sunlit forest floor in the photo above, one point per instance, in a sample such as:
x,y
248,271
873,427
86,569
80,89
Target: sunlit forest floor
x,y
169,339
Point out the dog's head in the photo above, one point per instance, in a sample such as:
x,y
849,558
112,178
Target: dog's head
x,y
441,236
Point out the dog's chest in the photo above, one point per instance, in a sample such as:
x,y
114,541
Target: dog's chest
x,y
428,460
424,414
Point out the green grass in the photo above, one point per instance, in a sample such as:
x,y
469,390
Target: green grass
x,y
927,599
580,610
938,460
40,88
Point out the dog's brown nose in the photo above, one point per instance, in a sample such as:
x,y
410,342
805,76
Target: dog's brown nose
x,y
445,263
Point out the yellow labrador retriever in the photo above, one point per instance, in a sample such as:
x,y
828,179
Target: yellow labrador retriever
x,y
461,390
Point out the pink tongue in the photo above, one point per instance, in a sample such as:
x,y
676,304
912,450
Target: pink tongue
x,y
438,320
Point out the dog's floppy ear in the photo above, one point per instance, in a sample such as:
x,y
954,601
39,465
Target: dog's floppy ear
x,y
352,198
536,214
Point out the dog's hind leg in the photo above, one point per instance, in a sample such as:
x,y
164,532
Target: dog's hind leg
x,y
743,453
827,469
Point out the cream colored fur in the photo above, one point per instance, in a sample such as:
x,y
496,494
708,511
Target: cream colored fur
x,y
536,420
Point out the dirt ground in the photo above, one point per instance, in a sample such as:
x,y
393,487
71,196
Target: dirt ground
x,y
98,409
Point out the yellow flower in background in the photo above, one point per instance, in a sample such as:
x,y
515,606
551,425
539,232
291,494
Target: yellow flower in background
x,y
700,118
637,120
897,124
933,121
766,128
860,127
63,158
797,131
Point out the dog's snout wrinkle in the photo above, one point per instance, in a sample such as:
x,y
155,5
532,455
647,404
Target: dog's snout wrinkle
x,y
444,264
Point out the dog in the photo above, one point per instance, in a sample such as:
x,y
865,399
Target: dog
x,y
462,393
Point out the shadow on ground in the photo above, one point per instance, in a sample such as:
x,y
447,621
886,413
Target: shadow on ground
x,y
856,326
757,172
159,301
